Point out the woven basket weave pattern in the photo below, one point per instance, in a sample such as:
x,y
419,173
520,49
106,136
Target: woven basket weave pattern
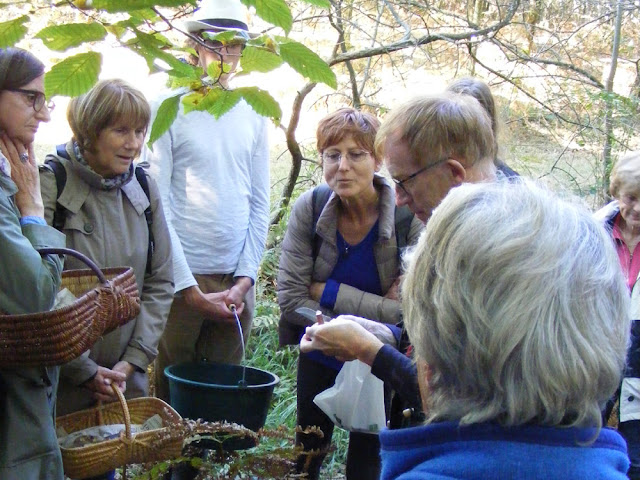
x,y
142,447
59,336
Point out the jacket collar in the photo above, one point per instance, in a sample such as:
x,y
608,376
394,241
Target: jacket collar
x,y
79,184
328,219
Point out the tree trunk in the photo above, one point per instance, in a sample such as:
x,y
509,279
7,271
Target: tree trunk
x,y
296,154
608,116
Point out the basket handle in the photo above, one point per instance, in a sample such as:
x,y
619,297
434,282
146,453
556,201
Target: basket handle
x,y
67,251
125,410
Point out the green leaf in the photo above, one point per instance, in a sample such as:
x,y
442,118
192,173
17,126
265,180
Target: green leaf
x,y
62,37
259,59
222,37
150,47
113,6
167,113
13,31
319,3
219,103
73,76
275,12
306,62
262,102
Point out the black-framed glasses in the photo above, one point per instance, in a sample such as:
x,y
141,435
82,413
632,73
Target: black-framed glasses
x,y
354,156
36,98
227,50
401,183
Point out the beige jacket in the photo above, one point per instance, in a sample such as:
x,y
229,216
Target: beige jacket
x,y
109,226
297,268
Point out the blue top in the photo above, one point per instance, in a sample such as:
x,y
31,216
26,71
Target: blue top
x,y
356,267
488,451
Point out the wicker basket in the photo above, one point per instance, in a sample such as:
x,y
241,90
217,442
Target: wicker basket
x,y
106,300
148,446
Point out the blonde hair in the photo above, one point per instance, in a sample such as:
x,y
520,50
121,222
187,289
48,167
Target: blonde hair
x,y
108,102
515,300
445,125
625,172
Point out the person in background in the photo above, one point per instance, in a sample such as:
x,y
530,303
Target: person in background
x,y
430,145
481,92
518,315
29,281
621,217
102,208
354,269
213,176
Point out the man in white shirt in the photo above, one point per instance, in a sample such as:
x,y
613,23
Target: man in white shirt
x,y
213,177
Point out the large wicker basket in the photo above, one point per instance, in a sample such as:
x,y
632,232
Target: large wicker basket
x,y
106,300
147,446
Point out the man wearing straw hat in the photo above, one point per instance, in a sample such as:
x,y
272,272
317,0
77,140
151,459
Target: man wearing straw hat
x,y
213,177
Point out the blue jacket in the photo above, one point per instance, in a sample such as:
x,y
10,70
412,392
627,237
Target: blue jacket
x,y
488,451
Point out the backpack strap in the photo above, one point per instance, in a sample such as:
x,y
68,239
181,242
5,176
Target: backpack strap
x,y
60,213
148,215
402,218
319,198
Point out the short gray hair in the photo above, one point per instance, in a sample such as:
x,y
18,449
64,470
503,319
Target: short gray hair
x,y
625,173
515,299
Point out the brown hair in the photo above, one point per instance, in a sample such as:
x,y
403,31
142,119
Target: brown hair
x,y
345,122
18,67
106,103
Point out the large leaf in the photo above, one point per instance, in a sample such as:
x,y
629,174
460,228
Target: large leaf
x,y
167,113
62,37
262,102
257,59
13,31
151,47
129,5
275,12
74,75
306,62
216,101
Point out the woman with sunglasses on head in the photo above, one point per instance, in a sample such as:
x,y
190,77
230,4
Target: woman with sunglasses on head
x,y
347,262
29,281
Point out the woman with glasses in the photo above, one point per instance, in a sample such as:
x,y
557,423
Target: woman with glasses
x,y
29,281
341,257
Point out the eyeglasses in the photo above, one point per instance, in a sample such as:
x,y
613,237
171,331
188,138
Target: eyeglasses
x,y
354,156
401,183
232,50
36,98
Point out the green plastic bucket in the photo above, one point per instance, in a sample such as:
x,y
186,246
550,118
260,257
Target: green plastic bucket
x,y
211,391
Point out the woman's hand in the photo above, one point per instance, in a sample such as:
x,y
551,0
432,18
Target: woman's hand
x,y
100,384
316,289
25,175
341,338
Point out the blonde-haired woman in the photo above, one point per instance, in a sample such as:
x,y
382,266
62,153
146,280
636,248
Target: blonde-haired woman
x,y
106,214
622,219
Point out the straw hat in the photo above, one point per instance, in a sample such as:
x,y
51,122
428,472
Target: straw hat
x,y
220,16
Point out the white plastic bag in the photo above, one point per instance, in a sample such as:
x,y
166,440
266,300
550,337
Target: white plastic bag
x,y
356,401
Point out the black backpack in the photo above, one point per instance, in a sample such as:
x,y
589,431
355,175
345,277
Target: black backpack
x,y
320,197
60,214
